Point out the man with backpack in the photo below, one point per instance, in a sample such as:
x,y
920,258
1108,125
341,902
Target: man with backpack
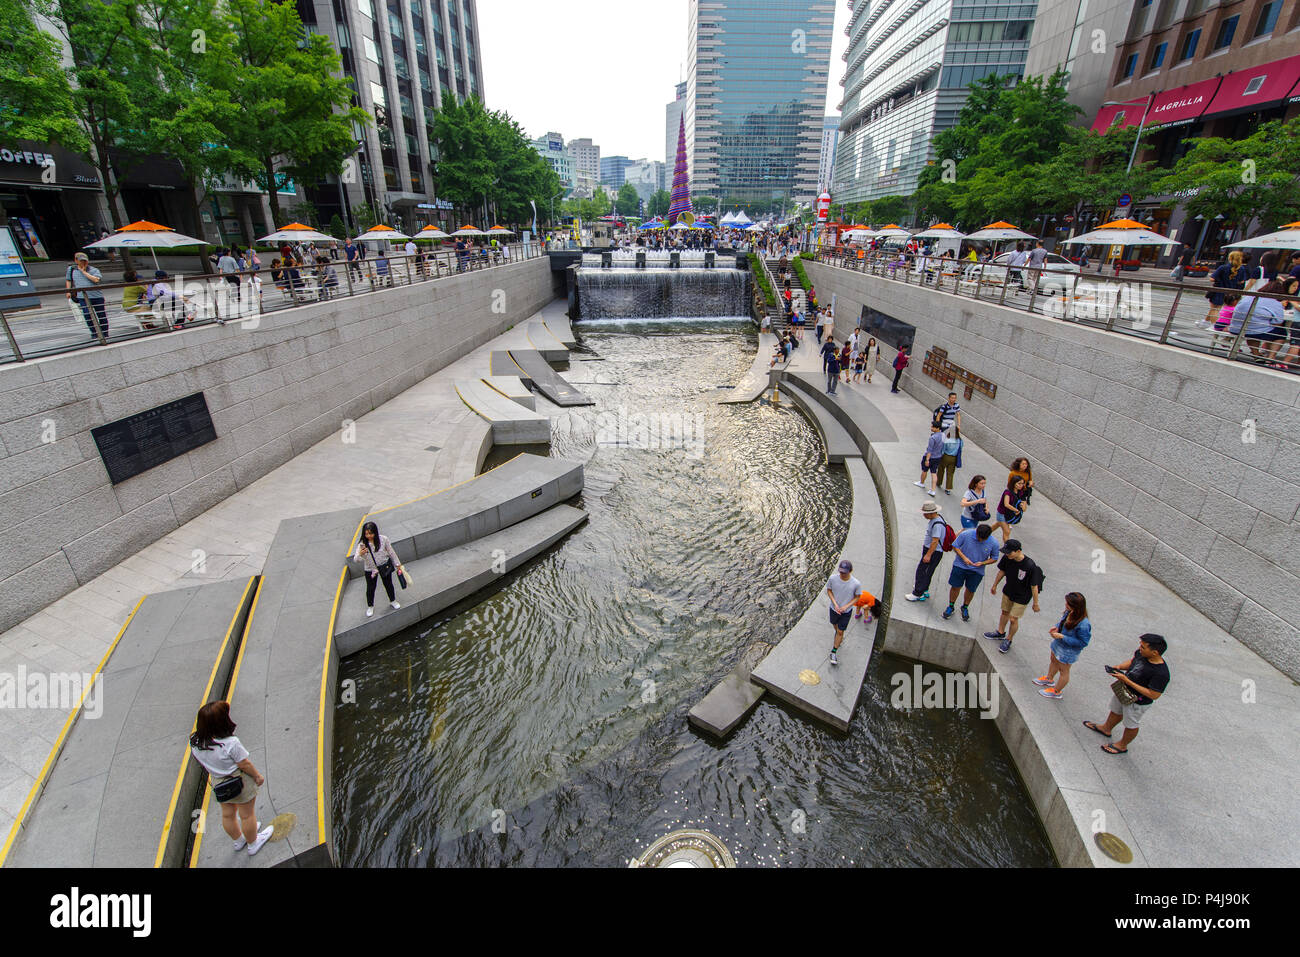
x,y
1024,581
938,538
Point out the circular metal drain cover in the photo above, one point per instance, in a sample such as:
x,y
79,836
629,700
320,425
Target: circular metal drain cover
x,y
686,848
1113,847
810,677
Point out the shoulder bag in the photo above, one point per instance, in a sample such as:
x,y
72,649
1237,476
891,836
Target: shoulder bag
x,y
229,788
1123,692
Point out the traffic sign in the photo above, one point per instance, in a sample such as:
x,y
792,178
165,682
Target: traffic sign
x,y
1125,200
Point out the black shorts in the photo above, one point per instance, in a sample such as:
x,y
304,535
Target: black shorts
x,y
841,619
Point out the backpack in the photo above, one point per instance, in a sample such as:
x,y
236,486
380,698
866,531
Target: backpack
x,y
900,361
949,533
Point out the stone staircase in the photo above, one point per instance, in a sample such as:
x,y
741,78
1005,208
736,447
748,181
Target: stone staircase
x,y
798,295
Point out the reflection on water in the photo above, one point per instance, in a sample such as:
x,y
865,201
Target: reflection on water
x,y
546,724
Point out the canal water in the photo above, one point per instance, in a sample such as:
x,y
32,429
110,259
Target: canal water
x,y
546,724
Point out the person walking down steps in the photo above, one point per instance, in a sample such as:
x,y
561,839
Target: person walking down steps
x,y
376,553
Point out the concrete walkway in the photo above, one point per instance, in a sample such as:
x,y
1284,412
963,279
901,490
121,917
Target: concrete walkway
x,y
422,441
1211,779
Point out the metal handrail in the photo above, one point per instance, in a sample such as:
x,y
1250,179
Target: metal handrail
x,y
205,298
1050,289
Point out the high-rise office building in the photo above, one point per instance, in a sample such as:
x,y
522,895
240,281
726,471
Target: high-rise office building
x,y
1080,39
826,160
672,121
613,169
406,58
755,100
586,166
646,175
909,69
552,149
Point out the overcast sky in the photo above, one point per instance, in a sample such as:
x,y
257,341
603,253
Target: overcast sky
x,y
598,68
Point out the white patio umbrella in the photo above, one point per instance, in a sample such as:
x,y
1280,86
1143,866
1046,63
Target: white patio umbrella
x,y
375,233
297,233
854,235
431,232
500,231
146,235
469,231
892,231
940,231
679,226
1288,237
1122,232
999,232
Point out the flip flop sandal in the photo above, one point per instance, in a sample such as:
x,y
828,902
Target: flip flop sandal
x,y
1111,749
1092,727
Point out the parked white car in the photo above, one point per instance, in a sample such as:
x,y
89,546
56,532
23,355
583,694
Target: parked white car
x,y
1053,267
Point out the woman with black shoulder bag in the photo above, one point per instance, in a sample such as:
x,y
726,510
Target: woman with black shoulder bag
x,y
376,553
231,775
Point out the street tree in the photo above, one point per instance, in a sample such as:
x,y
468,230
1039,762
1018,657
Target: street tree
x,y
35,98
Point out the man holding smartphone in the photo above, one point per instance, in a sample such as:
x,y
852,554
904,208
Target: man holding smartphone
x,y
1147,676
84,278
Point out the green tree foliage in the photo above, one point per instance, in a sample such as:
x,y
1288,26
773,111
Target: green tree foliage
x,y
293,118
1255,178
659,203
485,154
35,98
365,216
628,201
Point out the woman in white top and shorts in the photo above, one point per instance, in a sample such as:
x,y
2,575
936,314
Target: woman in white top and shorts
x,y
231,775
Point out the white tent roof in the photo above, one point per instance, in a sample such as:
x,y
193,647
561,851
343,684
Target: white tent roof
x,y
741,218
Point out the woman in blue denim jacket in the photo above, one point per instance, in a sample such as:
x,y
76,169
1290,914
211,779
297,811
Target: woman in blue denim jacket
x,y
1070,636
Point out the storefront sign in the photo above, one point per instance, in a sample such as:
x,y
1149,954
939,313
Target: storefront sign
x,y
11,260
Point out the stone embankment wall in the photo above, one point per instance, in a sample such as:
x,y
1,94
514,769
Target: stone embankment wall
x,y
273,391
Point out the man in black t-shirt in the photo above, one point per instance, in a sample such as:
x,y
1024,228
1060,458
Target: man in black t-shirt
x,y
1147,676
1024,579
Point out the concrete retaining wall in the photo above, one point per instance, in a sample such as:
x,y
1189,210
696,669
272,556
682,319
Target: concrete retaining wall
x,y
1141,442
273,392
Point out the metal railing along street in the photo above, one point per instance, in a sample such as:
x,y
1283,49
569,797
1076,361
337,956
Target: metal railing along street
x,y
62,324
1171,313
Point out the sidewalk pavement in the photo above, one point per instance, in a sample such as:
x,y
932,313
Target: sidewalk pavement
x,y
1211,779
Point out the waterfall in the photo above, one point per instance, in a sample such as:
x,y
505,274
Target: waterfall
x,y
658,293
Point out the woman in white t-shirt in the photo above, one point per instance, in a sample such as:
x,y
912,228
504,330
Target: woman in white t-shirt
x,y
872,351
221,754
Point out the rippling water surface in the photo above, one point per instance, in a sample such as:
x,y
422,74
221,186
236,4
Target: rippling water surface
x,y
546,724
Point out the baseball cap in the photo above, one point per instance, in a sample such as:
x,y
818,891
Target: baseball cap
x,y
846,566
1012,545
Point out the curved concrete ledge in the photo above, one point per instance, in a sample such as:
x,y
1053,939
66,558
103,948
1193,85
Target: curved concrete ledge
x,y
558,324
443,579
511,492
115,782
756,380
546,380
544,341
833,696
511,423
837,442
513,388
502,363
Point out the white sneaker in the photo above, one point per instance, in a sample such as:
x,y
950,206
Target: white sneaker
x,y
931,492
240,843
370,612
263,836
919,484
397,604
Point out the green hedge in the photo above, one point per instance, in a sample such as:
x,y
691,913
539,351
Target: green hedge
x,y
760,276
799,271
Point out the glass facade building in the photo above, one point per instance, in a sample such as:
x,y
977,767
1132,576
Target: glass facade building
x,y
755,100
909,65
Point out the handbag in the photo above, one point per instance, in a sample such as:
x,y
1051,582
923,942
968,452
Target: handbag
x,y
980,513
1123,692
229,788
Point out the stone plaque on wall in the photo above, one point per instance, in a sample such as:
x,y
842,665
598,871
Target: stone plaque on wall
x,y
139,442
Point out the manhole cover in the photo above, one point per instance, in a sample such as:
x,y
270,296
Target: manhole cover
x,y
282,825
810,677
1113,847
686,848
